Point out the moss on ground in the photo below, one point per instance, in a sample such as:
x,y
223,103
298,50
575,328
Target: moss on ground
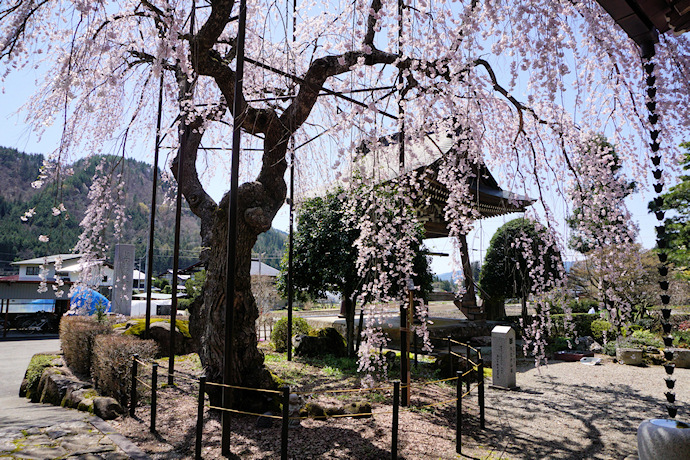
x,y
137,329
37,365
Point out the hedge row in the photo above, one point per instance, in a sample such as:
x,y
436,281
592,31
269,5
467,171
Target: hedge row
x,y
90,348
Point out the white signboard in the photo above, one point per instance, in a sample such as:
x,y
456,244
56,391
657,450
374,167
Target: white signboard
x,y
503,356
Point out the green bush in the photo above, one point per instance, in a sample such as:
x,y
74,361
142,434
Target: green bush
x,y
112,363
77,335
583,305
598,327
581,321
649,323
610,347
681,338
646,339
279,333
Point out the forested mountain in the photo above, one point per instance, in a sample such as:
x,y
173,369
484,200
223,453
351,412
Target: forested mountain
x,y
19,239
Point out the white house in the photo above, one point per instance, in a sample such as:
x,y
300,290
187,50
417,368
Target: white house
x,y
22,289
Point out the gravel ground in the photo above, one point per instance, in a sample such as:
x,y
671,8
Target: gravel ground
x,y
574,411
561,411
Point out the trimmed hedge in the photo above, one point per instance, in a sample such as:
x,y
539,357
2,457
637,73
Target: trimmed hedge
x,y
111,370
77,334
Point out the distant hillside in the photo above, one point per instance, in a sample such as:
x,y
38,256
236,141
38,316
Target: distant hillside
x,y
270,247
19,240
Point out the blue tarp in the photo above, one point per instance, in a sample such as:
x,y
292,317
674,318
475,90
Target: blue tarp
x,y
84,301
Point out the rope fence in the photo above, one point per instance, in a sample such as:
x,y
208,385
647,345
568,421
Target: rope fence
x,y
284,395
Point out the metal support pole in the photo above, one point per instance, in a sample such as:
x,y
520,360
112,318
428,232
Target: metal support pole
x,y
450,356
152,221
480,395
154,395
396,409
232,229
290,286
7,319
458,421
176,268
468,364
404,357
133,390
286,420
200,417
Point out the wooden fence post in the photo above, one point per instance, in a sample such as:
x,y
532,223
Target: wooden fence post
x,y
154,395
396,408
458,421
133,391
286,420
482,418
200,417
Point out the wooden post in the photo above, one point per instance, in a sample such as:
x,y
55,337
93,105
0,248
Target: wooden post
x,y
154,395
286,420
133,390
480,395
396,408
458,421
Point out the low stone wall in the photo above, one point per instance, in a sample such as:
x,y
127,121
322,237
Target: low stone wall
x,y
60,387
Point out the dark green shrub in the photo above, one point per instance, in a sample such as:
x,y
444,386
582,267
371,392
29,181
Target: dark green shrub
x,y
598,327
279,333
649,324
583,305
111,370
77,335
559,344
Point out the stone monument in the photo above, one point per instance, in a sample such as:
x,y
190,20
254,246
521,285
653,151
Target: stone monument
x,y
503,357
122,279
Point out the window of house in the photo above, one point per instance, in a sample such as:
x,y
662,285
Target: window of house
x,y
32,270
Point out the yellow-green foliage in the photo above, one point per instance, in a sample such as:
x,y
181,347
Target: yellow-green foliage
x,y
33,373
77,335
112,363
599,326
139,326
279,333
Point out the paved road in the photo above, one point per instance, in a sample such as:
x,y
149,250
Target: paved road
x,y
17,412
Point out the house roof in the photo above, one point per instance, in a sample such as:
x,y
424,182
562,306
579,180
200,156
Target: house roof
x,y
48,259
643,20
424,158
260,268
